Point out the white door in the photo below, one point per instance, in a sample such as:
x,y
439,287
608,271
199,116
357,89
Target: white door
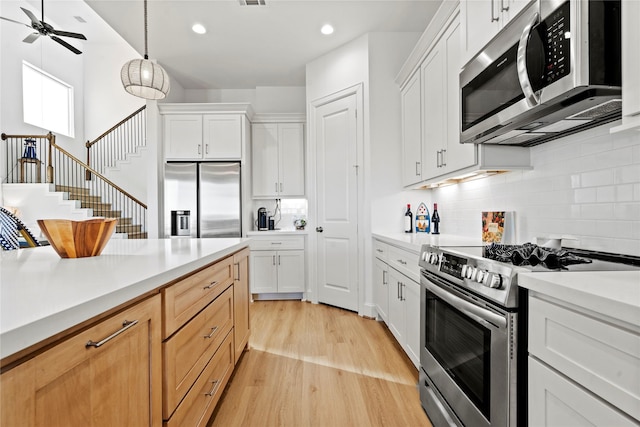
x,y
337,202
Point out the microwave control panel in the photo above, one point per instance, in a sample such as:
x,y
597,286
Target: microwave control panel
x,y
555,33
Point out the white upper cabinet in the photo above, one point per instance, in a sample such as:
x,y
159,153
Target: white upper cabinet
x,y
278,159
482,20
411,131
222,136
204,131
442,151
630,66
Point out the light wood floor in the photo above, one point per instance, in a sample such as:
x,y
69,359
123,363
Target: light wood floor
x,y
316,365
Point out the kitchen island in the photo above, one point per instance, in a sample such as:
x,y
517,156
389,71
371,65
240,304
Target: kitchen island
x,y
134,336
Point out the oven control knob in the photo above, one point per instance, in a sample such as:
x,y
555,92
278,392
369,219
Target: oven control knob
x,y
433,259
463,270
495,281
424,256
472,276
480,276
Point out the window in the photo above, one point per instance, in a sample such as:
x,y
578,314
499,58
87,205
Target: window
x,y
47,101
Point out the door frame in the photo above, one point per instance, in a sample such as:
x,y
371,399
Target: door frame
x,y
312,291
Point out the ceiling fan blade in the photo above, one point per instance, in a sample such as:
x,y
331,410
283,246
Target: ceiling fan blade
x,y
67,45
68,34
31,38
31,16
17,22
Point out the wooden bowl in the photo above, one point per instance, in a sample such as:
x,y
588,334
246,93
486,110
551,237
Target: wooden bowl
x,y
78,239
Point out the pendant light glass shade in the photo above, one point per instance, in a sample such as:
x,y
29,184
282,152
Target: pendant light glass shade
x,y
145,79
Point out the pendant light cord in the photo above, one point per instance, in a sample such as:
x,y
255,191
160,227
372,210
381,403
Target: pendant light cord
x,y
146,56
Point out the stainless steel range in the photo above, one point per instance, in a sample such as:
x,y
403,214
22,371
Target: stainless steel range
x,y
473,333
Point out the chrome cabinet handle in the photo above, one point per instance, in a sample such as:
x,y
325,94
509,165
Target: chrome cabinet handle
x,y
213,389
444,162
126,325
276,243
281,187
278,259
493,18
206,148
379,250
398,290
439,158
237,272
521,64
504,9
276,187
402,262
384,277
211,285
199,152
213,331
417,168
273,260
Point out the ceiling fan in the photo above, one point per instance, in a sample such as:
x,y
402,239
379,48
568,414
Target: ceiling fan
x,y
44,29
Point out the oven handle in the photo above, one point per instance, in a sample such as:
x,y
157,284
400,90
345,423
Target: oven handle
x,y
466,307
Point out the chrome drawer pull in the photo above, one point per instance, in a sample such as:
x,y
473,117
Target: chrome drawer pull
x,y
126,325
213,389
379,250
402,262
211,285
213,331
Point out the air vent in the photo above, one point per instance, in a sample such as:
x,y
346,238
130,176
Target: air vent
x,y
80,19
599,110
252,2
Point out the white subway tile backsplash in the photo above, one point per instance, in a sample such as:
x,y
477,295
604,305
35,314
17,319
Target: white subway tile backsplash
x,y
586,185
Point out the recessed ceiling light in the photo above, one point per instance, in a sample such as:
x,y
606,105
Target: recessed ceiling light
x,y
326,29
199,29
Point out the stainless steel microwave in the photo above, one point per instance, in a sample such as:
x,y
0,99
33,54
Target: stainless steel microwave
x,y
555,69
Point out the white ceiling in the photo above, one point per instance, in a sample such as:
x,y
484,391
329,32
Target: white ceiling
x,y
245,46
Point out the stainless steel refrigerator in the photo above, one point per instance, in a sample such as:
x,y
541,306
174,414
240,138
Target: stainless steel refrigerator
x,y
210,192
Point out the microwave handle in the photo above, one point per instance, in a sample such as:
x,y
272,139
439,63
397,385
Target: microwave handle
x,y
521,63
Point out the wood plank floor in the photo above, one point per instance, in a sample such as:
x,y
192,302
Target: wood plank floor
x,y
316,365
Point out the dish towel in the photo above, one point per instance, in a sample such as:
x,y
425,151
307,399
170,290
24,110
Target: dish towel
x,y
532,254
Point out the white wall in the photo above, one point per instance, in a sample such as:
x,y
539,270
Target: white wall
x,y
263,99
586,185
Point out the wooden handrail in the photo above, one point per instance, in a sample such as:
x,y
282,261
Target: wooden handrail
x,y
52,143
89,144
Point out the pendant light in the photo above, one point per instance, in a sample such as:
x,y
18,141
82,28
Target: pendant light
x,y
144,78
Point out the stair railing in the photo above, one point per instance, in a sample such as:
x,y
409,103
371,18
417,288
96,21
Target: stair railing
x,y
114,144
28,155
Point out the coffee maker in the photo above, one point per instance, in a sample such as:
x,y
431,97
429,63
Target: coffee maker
x,y
263,220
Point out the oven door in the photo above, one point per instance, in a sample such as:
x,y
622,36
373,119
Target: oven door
x,y
468,354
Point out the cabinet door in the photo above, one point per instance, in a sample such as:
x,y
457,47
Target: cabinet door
x,y
264,273
630,62
222,136
291,159
183,137
291,271
118,383
433,126
264,149
555,400
457,156
411,299
396,306
241,302
381,289
481,21
411,131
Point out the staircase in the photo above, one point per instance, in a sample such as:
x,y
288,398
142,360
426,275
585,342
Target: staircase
x,y
99,208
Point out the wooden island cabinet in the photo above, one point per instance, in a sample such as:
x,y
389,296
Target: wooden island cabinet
x,y
162,359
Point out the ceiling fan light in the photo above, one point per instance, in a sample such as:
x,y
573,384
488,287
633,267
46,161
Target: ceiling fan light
x,y
145,79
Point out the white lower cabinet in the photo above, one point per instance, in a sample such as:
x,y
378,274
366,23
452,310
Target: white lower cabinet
x,y
396,296
583,370
404,313
277,265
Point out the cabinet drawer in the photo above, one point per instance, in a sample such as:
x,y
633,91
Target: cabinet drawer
x,y
601,357
187,352
556,401
277,243
184,299
380,250
405,262
198,405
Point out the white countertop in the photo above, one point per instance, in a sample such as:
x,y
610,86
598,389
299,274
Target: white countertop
x,y
42,294
414,241
614,294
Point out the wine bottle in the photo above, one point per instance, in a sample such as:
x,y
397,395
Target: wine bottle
x,y
435,219
408,220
